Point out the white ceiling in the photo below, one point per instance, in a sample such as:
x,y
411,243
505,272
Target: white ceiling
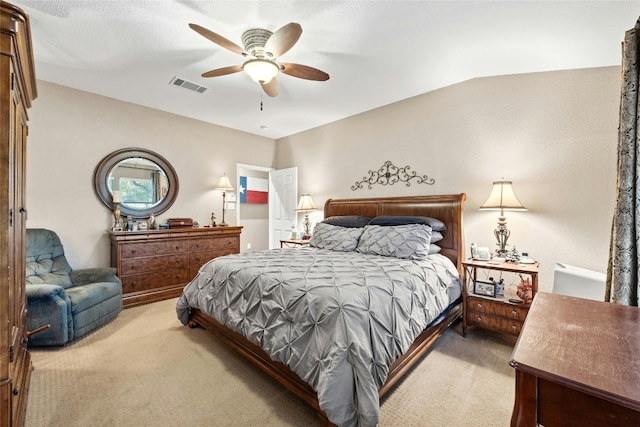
x,y
376,52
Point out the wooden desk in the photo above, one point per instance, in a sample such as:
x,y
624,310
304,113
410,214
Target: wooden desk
x,y
577,363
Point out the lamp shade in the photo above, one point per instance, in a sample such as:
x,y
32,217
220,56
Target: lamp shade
x,y
224,184
502,197
305,203
261,70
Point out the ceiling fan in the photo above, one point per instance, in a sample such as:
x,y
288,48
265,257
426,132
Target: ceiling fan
x,y
263,48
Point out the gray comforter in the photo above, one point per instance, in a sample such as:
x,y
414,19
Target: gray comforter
x,y
337,319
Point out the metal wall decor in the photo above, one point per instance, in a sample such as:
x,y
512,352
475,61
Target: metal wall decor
x,y
389,174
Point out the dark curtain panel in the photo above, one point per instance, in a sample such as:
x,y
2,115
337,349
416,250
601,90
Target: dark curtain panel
x,y
624,265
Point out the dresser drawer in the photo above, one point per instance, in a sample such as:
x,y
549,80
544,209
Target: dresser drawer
x,y
219,243
147,281
198,259
145,249
495,323
151,264
497,308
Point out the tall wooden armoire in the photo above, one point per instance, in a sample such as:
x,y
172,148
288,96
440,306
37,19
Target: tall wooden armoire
x,y
17,90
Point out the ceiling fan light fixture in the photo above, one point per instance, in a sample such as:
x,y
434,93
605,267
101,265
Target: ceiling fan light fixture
x,y
261,70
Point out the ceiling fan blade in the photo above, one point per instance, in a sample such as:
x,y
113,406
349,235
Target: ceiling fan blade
x,y
303,71
223,71
272,89
218,39
283,39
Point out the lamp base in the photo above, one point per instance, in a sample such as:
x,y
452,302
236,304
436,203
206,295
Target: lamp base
x,y
502,234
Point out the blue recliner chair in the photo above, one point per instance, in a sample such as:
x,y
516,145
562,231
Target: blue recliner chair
x,y
72,302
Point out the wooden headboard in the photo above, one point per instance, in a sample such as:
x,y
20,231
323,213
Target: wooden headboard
x,y
447,208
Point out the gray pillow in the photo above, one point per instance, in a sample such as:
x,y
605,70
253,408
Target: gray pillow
x,y
390,220
350,221
434,249
436,236
335,238
409,241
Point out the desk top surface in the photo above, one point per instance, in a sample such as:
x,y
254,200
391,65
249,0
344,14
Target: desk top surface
x,y
587,345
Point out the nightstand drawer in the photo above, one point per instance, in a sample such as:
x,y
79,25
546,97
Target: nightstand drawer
x,y
498,308
495,323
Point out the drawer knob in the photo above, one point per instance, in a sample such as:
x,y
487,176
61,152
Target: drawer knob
x,y
514,313
133,251
479,319
514,327
479,306
133,284
16,391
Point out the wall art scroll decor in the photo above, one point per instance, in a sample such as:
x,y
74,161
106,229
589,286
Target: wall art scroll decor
x,y
389,174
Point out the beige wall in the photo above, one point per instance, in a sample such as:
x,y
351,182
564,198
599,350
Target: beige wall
x,y
70,131
553,134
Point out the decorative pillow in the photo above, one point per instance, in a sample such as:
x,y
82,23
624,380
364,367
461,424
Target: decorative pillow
x,y
409,241
335,238
390,220
349,221
434,249
436,236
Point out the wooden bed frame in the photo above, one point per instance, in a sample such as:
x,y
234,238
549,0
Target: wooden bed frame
x,y
447,208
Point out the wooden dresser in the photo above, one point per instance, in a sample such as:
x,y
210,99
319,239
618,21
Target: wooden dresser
x,y
156,264
576,364
17,90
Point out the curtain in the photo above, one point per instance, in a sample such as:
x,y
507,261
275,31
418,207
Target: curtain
x,y
624,264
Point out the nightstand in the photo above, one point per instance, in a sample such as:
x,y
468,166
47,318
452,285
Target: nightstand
x,y
496,313
287,243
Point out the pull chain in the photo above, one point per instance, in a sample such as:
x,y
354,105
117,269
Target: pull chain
x,y
260,100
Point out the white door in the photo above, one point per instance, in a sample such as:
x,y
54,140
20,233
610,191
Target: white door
x,y
283,191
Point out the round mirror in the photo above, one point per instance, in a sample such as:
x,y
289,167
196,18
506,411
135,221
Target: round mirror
x,y
146,181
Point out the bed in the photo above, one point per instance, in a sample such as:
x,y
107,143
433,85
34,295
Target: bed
x,y
340,324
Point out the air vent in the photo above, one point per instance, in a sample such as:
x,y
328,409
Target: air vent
x,y
177,81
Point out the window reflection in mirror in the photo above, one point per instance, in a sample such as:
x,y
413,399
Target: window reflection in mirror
x,y
147,182
141,182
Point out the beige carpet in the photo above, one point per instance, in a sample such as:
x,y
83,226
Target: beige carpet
x,y
145,369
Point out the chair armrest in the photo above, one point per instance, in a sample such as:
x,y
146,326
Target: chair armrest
x,y
94,275
48,305
42,291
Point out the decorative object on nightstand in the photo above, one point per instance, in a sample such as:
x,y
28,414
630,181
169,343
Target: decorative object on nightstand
x,y
224,185
513,255
502,198
305,205
483,305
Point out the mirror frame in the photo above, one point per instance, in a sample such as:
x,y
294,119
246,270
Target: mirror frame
x,y
106,165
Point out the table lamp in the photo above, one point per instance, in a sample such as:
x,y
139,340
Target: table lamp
x,y
502,198
305,205
224,185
